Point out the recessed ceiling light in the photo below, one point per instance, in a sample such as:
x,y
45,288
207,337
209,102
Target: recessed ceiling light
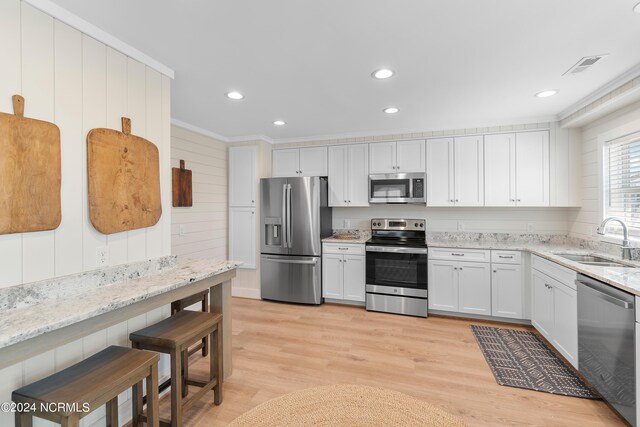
x,y
279,123
234,95
546,93
391,110
382,73
636,8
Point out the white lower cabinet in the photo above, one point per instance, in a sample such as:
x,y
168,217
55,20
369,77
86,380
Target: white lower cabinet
x,y
463,287
443,285
476,287
555,306
354,271
242,236
343,272
332,276
507,291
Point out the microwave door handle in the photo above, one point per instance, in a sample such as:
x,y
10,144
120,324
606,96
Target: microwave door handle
x,y
284,215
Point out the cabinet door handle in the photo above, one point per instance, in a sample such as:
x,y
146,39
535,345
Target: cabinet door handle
x,y
513,200
495,271
344,249
518,200
457,200
505,257
456,254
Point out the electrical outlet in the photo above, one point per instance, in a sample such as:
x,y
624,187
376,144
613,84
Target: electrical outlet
x,y
529,228
183,230
102,256
460,226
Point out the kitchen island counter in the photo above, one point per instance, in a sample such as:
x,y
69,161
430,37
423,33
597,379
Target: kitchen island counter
x,y
42,315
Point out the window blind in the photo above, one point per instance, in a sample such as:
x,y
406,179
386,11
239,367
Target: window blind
x,y
622,180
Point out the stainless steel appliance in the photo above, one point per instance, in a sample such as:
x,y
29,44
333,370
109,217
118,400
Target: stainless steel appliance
x,y
396,259
295,217
606,343
397,188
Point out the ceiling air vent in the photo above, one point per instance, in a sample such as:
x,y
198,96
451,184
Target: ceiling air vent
x,y
584,64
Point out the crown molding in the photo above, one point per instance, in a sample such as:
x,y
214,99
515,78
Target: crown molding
x,y
622,79
63,15
196,129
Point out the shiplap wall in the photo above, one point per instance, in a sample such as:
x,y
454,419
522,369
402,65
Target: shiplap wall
x,y
585,221
480,220
78,83
205,223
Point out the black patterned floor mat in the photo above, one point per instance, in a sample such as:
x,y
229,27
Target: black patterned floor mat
x,y
521,359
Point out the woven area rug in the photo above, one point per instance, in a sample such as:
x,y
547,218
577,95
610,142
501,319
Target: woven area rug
x,y
346,405
521,359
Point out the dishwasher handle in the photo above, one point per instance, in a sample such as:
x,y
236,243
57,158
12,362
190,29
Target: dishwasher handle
x,y
606,297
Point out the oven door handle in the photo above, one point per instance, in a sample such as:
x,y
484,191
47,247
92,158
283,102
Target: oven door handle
x,y
396,249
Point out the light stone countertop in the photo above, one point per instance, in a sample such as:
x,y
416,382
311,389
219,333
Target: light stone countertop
x,y
51,310
363,236
626,279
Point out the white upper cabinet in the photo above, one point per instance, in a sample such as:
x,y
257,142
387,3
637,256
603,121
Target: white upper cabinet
x,y
440,172
469,171
292,162
532,168
242,176
517,169
397,157
455,171
410,156
382,157
358,175
338,172
313,161
499,169
286,163
348,175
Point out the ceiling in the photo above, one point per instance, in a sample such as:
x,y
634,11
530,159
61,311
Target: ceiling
x,y
458,63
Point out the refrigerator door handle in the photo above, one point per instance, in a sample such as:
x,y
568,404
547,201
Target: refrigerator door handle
x,y
289,215
284,215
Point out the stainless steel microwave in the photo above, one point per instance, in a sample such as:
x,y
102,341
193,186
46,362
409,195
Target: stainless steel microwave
x,y
397,188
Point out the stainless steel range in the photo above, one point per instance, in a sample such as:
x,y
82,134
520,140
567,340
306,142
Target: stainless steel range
x,y
397,267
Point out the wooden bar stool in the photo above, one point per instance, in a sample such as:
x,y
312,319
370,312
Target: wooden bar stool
x,y
181,304
89,384
173,336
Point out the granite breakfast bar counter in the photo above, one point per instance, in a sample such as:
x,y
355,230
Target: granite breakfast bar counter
x,y
39,316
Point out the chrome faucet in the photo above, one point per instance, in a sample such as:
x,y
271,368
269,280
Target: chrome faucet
x,y
626,249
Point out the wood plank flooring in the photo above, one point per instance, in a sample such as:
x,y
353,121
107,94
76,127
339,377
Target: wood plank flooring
x,y
280,348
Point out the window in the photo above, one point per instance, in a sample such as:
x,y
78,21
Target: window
x,y
622,182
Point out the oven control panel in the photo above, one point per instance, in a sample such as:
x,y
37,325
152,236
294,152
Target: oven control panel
x,y
398,224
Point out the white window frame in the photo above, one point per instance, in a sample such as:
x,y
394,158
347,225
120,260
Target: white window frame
x,y
628,129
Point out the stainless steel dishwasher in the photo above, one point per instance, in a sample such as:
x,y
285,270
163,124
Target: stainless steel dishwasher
x,y
606,343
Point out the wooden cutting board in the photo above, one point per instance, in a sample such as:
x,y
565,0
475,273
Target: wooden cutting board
x,y
124,180
182,186
29,172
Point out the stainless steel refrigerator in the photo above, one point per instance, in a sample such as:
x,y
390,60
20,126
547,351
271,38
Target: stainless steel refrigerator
x,y
295,217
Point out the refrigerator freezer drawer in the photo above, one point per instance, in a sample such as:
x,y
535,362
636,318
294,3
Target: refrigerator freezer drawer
x,y
291,278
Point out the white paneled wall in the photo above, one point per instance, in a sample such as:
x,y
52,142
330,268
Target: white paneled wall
x,y
78,83
586,219
204,224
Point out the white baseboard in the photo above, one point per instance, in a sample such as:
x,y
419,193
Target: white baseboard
x,y
245,293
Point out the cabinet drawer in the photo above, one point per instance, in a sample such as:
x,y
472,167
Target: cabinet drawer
x,y
338,248
564,275
476,255
506,257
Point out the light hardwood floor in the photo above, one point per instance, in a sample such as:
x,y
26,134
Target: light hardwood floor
x,y
280,348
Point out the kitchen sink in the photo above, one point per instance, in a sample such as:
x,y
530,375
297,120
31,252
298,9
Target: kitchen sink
x,y
593,260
